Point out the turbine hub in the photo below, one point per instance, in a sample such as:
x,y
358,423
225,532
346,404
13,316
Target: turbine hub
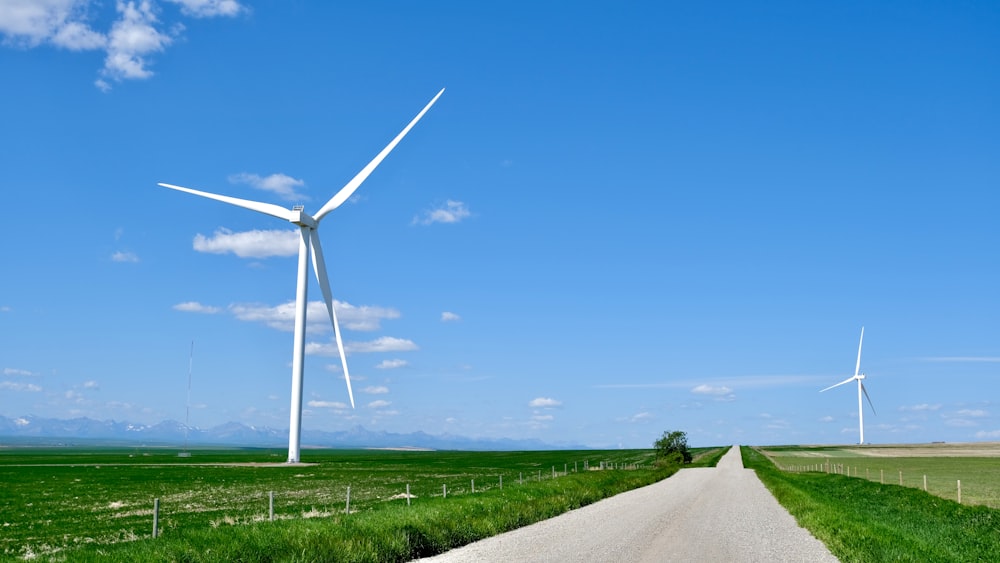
x,y
301,218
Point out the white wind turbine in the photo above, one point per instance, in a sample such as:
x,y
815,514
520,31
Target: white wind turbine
x,y
861,389
309,245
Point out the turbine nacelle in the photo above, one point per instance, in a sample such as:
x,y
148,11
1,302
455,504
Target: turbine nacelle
x,y
302,219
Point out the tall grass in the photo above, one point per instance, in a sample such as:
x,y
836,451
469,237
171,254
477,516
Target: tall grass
x,y
861,520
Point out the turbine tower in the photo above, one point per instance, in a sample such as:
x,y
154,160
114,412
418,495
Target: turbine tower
x,y
861,389
309,246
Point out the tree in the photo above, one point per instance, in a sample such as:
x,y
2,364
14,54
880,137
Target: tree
x,y
672,447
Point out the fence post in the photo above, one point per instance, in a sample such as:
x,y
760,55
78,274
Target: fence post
x,y
900,477
925,483
156,516
501,482
473,485
347,509
553,471
565,469
520,478
574,467
881,476
407,494
444,491
959,491
270,506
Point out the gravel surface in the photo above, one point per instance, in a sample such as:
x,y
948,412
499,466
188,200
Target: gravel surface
x,y
699,514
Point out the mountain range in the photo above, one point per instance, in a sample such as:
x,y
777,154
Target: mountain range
x,y
32,429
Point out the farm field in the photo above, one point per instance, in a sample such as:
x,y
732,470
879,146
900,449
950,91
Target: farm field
x,y
976,465
54,499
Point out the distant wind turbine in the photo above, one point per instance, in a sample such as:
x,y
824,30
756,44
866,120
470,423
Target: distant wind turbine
x,y
861,389
309,245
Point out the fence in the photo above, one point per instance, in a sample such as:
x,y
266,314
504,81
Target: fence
x,y
156,532
853,471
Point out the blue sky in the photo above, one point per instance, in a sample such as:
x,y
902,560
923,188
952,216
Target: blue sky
x,y
619,219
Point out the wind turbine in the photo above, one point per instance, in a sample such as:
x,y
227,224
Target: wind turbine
x,y
861,389
309,245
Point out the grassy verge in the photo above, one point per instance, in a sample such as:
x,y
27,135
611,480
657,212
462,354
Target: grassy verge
x,y
392,533
860,520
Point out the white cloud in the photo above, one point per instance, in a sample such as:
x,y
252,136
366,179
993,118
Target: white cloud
x,y
22,422
12,386
209,8
449,317
249,244
5,309
391,364
544,402
120,256
379,404
959,422
135,33
279,184
974,413
542,417
15,371
282,317
90,385
451,212
195,307
29,23
642,416
711,390
375,390
327,405
826,419
988,434
133,37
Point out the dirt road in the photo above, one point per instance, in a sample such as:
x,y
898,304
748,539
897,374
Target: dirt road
x,y
718,514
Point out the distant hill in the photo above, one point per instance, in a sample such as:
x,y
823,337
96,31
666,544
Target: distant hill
x,y
30,429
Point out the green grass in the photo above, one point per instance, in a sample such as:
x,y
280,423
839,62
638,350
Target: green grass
x,y
980,476
861,520
80,504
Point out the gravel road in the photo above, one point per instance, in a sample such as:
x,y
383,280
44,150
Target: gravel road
x,y
699,514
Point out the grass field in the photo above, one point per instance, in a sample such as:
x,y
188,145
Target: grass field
x,y
56,499
865,521
976,465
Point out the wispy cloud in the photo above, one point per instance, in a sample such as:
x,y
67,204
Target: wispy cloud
x,y
711,390
738,382
18,372
922,407
249,244
135,34
363,318
963,359
988,434
15,386
449,317
195,307
451,212
379,404
375,390
210,8
544,402
121,256
327,405
392,364
279,184
383,344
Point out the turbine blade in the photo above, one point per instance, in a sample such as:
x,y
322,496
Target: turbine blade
x,y
265,208
348,190
319,266
869,399
857,366
848,380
